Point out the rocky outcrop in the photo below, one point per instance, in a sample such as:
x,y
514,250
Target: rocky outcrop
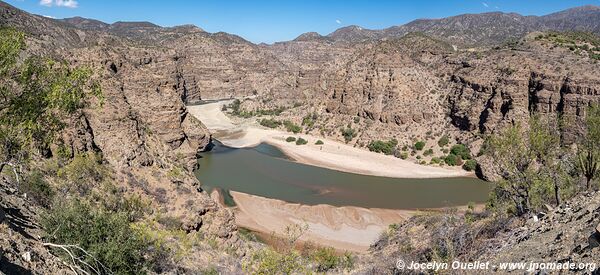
x,y
21,249
563,234
141,125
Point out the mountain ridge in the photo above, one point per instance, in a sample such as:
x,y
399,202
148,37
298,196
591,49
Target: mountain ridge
x,y
467,29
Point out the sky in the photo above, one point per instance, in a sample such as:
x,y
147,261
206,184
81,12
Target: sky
x,y
270,21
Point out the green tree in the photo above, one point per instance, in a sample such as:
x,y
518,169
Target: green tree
x,y
589,147
509,152
514,152
545,146
419,145
462,151
386,147
35,96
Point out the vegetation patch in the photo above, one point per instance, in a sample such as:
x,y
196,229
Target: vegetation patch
x,y
578,42
292,127
443,141
348,134
301,141
309,120
386,147
270,123
419,145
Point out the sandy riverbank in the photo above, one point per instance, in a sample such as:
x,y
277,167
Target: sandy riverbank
x,y
333,155
345,228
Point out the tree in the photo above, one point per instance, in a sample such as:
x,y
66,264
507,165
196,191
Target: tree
x,y
589,149
511,155
544,143
35,96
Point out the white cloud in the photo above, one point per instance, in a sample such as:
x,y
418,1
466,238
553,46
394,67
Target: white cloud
x,y
485,4
60,3
338,21
49,16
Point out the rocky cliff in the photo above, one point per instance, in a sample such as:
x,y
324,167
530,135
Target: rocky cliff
x,y
141,128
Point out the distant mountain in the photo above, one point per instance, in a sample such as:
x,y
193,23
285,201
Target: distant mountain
x,y
481,29
354,34
85,23
310,36
586,18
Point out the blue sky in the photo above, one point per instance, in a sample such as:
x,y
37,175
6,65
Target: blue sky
x,y
279,20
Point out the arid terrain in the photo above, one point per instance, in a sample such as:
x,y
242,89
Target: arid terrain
x,y
408,93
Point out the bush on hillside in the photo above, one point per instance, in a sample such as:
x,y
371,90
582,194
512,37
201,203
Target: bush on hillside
x,y
37,188
470,165
111,245
443,141
291,127
270,123
386,147
461,150
419,145
348,134
453,160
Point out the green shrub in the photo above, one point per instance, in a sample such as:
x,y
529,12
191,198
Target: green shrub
x,y
83,173
325,259
348,134
290,139
453,160
291,127
309,120
419,145
443,141
386,147
404,155
268,261
461,150
106,236
37,188
270,123
435,160
428,152
301,141
470,165
319,142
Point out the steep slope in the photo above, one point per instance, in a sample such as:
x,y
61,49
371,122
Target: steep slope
x,y
567,234
143,129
